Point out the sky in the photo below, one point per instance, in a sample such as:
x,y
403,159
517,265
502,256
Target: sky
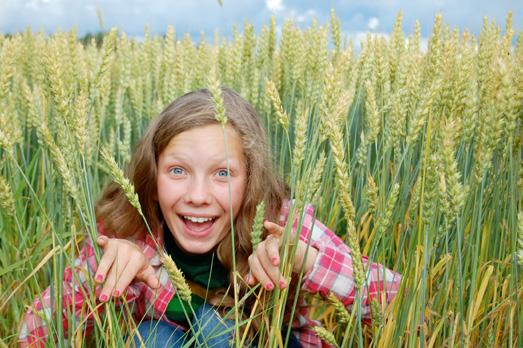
x,y
357,16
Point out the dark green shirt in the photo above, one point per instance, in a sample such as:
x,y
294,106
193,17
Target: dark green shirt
x,y
202,269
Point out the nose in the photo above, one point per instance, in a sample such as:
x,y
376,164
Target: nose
x,y
198,192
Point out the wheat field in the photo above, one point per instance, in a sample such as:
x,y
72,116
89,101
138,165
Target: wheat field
x,y
411,154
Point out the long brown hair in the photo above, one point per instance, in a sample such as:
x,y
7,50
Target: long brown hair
x,y
196,109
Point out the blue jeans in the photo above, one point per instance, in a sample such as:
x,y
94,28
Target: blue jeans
x,y
208,330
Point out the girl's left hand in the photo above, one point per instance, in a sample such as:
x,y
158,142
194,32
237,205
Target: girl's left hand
x,y
265,260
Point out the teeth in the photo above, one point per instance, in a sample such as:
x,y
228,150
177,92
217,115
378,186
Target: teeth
x,y
197,219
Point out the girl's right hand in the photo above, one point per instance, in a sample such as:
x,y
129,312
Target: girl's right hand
x,y
264,262
122,263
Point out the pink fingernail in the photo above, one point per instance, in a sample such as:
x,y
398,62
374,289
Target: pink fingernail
x,y
282,284
269,286
99,278
103,298
117,293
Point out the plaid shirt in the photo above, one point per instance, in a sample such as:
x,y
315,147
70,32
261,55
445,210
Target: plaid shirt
x,y
332,272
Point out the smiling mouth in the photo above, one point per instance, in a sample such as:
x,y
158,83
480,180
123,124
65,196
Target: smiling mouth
x,y
197,224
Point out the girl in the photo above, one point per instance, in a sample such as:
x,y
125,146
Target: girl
x,y
193,177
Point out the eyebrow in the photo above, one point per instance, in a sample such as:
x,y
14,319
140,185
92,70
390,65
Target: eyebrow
x,y
215,159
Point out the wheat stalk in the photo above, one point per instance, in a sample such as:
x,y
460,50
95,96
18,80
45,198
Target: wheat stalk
x,y
7,200
257,227
119,177
182,288
325,335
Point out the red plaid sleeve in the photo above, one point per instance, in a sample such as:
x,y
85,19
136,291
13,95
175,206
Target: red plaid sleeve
x,y
77,287
332,272
333,269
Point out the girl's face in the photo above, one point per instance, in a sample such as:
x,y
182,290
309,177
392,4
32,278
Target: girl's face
x,y
193,185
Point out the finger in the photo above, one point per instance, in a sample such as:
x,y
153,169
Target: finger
x,y
125,278
250,279
259,273
273,228
269,258
148,276
105,264
114,275
272,249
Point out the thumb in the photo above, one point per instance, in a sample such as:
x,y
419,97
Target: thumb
x,y
102,241
273,228
149,277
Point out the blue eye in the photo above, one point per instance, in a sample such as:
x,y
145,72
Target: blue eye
x,y
223,173
176,171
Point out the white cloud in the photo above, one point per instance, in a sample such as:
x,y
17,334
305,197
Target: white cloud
x,y
275,5
359,38
33,5
299,16
311,12
191,16
373,23
303,17
424,44
36,4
